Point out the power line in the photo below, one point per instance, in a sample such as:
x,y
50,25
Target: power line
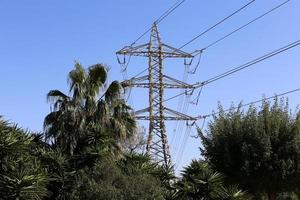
x,y
233,108
201,34
220,22
168,12
183,144
158,20
252,62
161,18
182,147
251,103
241,67
222,38
227,110
242,27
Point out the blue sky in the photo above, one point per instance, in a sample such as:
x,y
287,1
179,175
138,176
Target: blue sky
x,y
40,40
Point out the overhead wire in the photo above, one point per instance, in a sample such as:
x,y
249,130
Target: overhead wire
x,y
160,19
241,67
124,66
201,34
199,52
194,70
181,125
248,64
251,103
168,12
184,143
215,25
204,117
231,33
252,62
187,135
180,104
183,105
241,27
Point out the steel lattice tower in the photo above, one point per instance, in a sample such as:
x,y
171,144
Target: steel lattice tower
x,y
157,82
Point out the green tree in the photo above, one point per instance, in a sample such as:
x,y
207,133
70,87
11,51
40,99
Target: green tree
x,y
83,129
259,150
131,178
200,182
82,120
21,175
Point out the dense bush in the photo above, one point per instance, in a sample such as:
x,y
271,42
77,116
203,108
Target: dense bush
x,y
257,149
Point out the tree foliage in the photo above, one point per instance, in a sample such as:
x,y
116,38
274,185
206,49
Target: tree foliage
x,y
258,149
21,175
200,182
82,119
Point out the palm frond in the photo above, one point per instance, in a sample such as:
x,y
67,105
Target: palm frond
x,y
55,95
97,74
77,78
113,92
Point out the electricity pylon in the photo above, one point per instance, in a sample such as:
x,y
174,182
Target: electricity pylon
x,y
157,81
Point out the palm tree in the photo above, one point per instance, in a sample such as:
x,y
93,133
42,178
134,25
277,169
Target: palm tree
x,y
199,182
81,119
234,193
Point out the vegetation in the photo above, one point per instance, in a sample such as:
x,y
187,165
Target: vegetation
x,y
21,175
200,181
259,150
92,148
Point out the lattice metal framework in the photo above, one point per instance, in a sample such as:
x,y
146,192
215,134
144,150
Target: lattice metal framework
x,y
157,81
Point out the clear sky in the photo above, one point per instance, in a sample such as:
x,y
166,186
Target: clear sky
x,y
40,40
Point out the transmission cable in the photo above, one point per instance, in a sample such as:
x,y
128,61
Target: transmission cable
x,y
183,144
201,34
241,67
250,103
207,30
204,117
220,22
248,64
241,27
161,18
224,37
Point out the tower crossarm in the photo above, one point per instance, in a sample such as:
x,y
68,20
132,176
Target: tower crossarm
x,y
133,81
167,118
173,52
179,115
169,82
170,115
134,50
177,83
141,111
143,50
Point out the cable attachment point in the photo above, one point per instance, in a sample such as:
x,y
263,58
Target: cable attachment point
x,y
199,54
119,61
190,124
189,92
123,63
188,62
196,100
